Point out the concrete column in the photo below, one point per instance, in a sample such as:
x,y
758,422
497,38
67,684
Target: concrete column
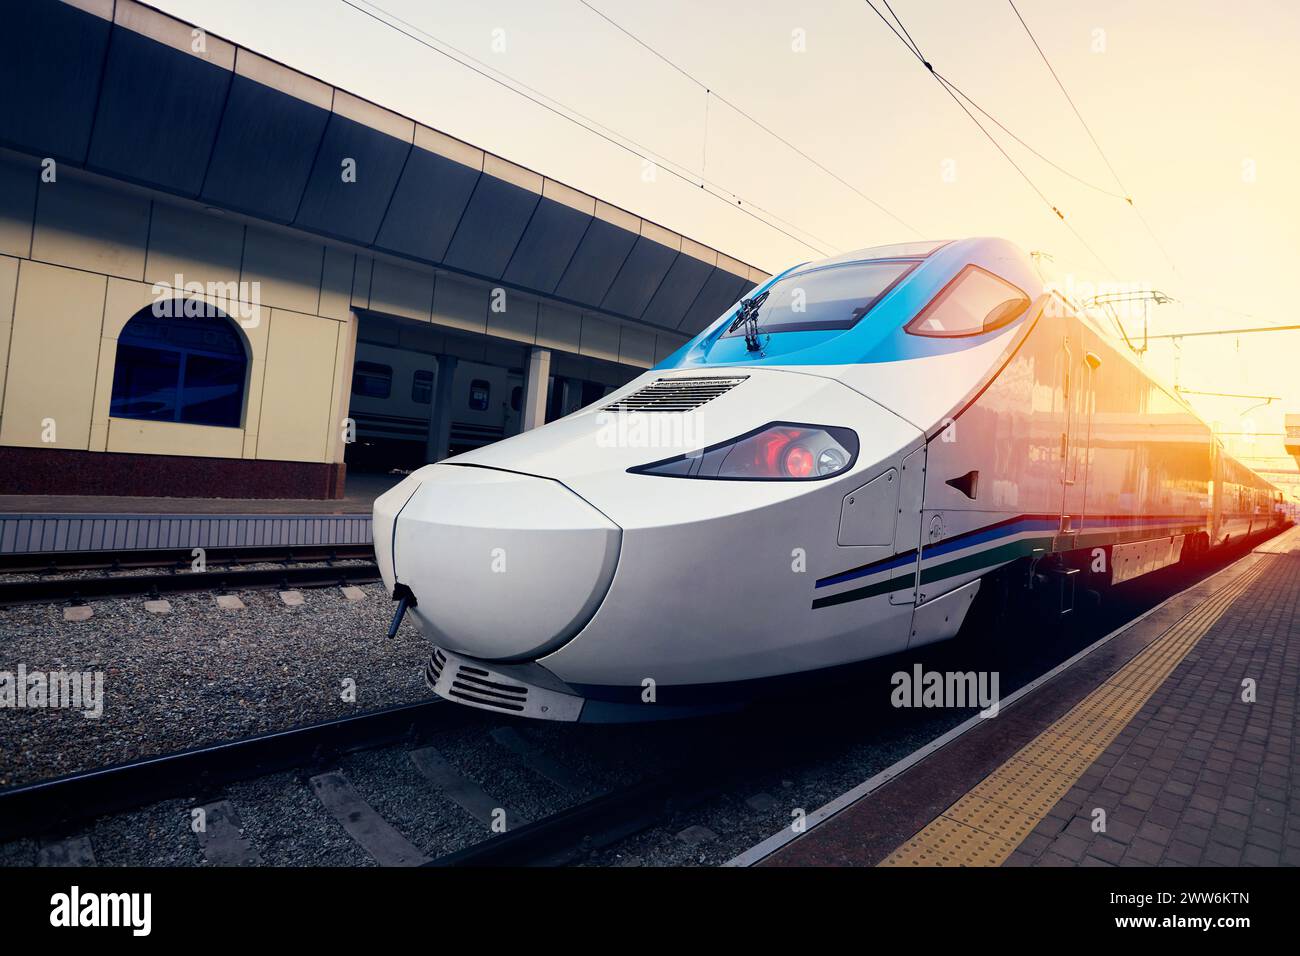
x,y
535,381
439,440
344,372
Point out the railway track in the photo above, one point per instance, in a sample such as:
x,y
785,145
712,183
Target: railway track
x,y
570,834
70,803
67,801
36,580
50,562
63,804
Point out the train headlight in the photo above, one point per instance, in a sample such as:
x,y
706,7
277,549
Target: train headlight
x,y
831,460
779,451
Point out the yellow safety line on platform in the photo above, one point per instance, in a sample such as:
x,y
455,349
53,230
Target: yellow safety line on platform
x,y
985,826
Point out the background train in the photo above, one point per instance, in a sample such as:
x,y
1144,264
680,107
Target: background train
x,y
842,466
393,394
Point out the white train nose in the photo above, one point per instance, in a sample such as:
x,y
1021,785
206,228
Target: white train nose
x,y
502,565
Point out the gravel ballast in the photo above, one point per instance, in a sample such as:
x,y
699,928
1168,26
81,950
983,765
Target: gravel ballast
x,y
201,674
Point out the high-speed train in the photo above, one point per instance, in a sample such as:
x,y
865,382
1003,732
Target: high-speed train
x,y
830,472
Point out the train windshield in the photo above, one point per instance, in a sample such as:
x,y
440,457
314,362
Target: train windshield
x,y
830,297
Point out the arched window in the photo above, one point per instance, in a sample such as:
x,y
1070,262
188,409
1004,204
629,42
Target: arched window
x,y
175,368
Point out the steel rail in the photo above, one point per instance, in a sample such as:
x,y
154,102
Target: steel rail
x,y
600,822
81,589
36,562
49,805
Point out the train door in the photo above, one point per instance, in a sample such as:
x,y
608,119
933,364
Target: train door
x,y
1079,368
907,531
1216,491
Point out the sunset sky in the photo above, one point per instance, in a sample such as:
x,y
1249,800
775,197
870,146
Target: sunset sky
x,y
1195,103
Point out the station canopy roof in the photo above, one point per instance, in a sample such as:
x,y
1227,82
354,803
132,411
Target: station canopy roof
x,y
116,88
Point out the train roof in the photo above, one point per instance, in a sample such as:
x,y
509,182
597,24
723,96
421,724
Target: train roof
x,y
897,250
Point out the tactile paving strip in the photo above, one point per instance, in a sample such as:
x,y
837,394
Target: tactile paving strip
x,y
946,842
986,825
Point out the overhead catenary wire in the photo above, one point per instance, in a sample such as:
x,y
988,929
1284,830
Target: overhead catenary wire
x,y
1128,197
704,140
393,22
595,127
710,92
911,44
957,98
1047,159
1069,99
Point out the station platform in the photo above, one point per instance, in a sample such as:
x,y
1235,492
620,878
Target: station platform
x,y
1172,742
64,523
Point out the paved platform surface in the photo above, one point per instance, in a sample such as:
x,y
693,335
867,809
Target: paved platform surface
x,y
1174,744
1200,776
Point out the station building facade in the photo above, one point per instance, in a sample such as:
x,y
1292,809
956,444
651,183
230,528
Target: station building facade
x,y
181,315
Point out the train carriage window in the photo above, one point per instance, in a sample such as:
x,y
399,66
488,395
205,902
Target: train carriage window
x,y
975,301
372,380
422,387
179,367
516,398
480,392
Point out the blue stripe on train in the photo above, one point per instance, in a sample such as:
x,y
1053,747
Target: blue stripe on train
x,y
1002,529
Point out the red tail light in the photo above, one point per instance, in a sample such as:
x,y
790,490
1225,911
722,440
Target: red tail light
x,y
799,462
769,449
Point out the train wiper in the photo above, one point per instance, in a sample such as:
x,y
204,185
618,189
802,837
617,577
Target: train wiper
x,y
748,317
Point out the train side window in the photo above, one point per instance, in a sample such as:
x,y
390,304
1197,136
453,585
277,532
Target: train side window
x,y
372,380
480,392
975,301
516,398
422,387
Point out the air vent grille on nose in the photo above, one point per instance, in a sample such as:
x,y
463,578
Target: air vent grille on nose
x,y
473,685
674,394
